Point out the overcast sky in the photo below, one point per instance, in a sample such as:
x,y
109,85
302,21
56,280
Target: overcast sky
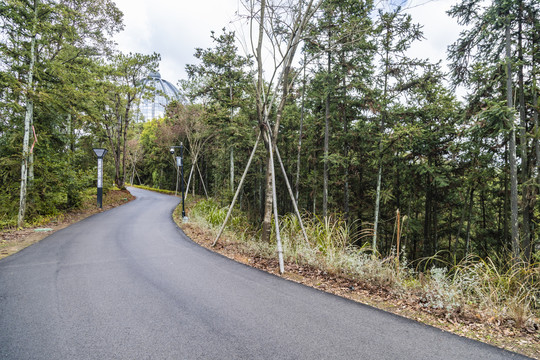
x,y
174,28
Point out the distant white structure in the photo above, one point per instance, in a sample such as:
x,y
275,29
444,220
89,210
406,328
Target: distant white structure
x,y
156,94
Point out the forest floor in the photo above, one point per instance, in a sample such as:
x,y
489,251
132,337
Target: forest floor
x,y
525,341
14,240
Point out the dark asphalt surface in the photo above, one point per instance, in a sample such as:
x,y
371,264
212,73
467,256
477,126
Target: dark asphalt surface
x,y
128,284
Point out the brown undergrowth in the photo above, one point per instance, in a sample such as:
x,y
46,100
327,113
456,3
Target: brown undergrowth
x,y
14,240
464,321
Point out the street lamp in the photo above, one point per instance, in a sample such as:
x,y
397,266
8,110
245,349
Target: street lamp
x,y
100,154
177,161
180,164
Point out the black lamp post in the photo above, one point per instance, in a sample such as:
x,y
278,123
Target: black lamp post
x,y
180,164
100,154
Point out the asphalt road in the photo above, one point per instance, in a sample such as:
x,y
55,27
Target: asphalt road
x,y
128,284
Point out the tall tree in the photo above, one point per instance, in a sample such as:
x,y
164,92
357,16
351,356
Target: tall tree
x,y
281,26
495,40
396,34
222,81
29,115
121,89
38,36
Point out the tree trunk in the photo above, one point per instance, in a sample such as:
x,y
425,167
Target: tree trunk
x,y
469,221
267,219
232,169
435,219
117,153
506,204
381,133
428,250
125,126
28,119
377,205
451,221
261,113
514,222
261,191
326,129
346,193
526,188
462,221
302,111
300,20
484,223
70,189
536,132
232,148
276,217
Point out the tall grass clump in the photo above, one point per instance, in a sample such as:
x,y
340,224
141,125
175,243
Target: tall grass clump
x,y
475,284
510,292
331,247
211,213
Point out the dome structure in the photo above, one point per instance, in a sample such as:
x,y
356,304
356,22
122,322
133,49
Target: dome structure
x,y
155,96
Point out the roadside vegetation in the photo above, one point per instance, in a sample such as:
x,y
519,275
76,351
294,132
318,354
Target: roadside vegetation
x,y
503,296
14,238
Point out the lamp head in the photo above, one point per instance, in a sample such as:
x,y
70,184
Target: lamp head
x,y
172,151
100,152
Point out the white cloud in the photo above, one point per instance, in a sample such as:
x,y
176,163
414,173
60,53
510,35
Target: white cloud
x,y
440,30
173,29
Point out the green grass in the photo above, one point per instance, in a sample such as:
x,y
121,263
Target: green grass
x,y
163,191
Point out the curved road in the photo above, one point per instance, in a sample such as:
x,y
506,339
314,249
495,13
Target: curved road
x,y
128,284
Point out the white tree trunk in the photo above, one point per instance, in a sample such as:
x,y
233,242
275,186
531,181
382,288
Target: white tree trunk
x,y
232,169
274,198
514,221
27,123
297,185
377,205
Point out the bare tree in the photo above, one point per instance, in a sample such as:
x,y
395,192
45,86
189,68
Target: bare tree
x,y
278,26
28,119
191,125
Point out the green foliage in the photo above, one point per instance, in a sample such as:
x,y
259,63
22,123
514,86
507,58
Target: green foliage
x,y
72,39
213,214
